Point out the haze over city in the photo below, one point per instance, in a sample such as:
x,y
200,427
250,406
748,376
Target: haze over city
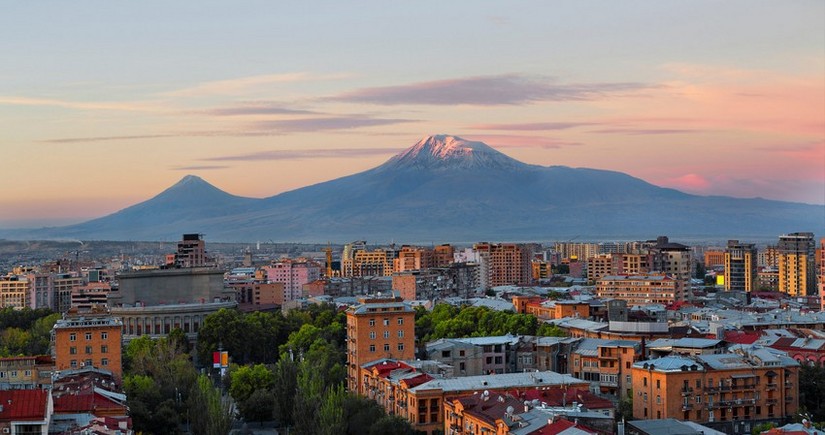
x,y
106,105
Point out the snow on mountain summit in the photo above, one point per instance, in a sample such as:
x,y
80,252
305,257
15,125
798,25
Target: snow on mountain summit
x,y
451,152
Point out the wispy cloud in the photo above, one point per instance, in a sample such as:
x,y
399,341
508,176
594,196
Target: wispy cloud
x,y
245,84
325,124
305,154
11,100
200,167
256,109
532,126
645,131
106,138
505,89
522,141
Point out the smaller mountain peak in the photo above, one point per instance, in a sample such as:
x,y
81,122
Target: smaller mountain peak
x,y
451,152
191,179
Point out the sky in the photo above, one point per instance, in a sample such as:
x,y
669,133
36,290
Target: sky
x,y
104,104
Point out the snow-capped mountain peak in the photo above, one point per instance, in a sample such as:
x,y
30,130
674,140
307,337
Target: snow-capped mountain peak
x,y
451,152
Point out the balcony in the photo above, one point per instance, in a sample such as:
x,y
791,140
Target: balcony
x,y
770,386
686,406
770,402
686,391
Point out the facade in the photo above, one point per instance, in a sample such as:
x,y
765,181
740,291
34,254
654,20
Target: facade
x,y
797,264
378,328
674,260
413,258
94,293
15,291
443,255
714,258
191,252
640,289
293,274
170,286
91,339
740,266
159,320
599,266
506,264
728,392
631,264
378,262
26,372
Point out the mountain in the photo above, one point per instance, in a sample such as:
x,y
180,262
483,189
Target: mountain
x,y
447,189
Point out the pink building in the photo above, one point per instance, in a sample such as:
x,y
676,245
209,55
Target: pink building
x,y
293,274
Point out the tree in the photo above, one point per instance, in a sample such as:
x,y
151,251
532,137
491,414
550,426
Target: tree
x,y
550,330
258,406
360,413
209,413
307,399
245,380
331,415
284,388
391,425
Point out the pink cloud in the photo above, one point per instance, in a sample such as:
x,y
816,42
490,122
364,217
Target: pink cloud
x,y
689,182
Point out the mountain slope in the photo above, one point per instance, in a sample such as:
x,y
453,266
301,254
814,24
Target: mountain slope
x,y
447,189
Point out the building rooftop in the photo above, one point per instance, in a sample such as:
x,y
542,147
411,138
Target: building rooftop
x,y
668,426
507,380
670,363
27,405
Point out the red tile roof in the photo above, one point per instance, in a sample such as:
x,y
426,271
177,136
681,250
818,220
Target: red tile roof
x,y
741,337
559,397
23,405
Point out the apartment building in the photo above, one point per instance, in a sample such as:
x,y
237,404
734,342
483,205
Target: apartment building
x,y
740,266
88,339
378,327
797,264
293,274
504,264
730,392
641,290
599,266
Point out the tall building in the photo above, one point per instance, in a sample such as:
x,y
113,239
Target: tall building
x,y
191,252
378,328
413,258
506,264
599,266
293,274
797,264
88,339
821,256
740,266
675,260
443,255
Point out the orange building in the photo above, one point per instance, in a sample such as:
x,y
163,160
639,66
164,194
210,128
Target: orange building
x,y
88,339
640,289
443,255
378,328
714,258
599,266
507,264
412,258
404,390
549,310
723,391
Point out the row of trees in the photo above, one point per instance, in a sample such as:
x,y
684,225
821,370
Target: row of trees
x,y
26,331
448,321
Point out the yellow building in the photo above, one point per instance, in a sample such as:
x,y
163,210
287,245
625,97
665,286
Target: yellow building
x,y
797,275
740,266
15,291
640,289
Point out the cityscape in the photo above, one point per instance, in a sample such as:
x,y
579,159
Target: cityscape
x,y
435,218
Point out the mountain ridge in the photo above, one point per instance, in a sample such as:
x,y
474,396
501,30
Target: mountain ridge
x,y
448,189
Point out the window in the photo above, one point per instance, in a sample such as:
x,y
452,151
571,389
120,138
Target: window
x,y
72,350
644,381
73,363
104,335
658,399
104,349
88,362
698,384
645,397
2,375
104,362
460,353
386,334
372,322
14,373
386,321
372,335
372,348
72,337
88,350
628,381
658,383
445,354
28,373
627,364
88,336
386,347
400,334
461,366
400,346
400,320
